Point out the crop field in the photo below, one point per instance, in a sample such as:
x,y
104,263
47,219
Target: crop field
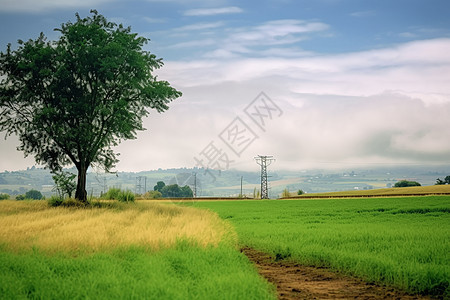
x,y
402,242
404,191
130,251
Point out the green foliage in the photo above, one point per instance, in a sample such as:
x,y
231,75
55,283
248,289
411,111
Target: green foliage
x,y
300,192
126,196
4,196
33,194
64,183
20,197
55,201
402,242
406,183
186,192
152,195
118,194
112,194
445,181
72,100
175,191
171,191
159,186
72,202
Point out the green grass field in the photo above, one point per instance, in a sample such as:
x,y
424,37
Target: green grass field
x,y
401,242
136,251
182,272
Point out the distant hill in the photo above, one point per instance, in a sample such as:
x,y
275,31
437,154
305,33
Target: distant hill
x,y
228,183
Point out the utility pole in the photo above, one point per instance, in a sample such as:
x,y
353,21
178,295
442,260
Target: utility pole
x,y
195,186
264,161
240,195
104,185
139,184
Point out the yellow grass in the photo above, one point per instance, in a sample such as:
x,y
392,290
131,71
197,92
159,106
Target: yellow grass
x,y
27,225
414,190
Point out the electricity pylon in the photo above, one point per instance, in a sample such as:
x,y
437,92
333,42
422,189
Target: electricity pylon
x,y
264,161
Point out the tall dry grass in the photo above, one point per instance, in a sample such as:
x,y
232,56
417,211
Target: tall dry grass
x,y
28,225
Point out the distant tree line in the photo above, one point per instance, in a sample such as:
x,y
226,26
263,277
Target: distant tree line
x,y
406,183
173,190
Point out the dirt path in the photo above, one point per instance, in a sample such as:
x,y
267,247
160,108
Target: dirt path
x,y
294,281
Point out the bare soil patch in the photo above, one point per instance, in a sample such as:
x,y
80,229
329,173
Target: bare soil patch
x,y
294,281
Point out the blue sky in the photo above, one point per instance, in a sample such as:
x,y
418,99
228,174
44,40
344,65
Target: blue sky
x,y
355,83
341,25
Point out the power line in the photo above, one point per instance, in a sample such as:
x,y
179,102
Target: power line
x,y
264,161
141,189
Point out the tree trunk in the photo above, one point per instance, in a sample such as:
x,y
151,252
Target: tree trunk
x,y
80,193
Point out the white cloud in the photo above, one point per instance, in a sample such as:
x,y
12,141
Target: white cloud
x,y
276,32
285,52
389,105
213,11
200,26
271,34
218,40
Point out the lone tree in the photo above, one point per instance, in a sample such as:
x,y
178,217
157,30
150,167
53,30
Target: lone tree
x,y
71,100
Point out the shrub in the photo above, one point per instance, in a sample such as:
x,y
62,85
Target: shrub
x,y
55,201
406,183
112,194
4,196
71,202
152,195
118,194
64,183
33,194
20,197
126,196
300,192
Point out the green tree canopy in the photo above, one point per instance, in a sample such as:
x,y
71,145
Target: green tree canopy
x,y
71,100
33,194
186,192
175,191
159,186
406,183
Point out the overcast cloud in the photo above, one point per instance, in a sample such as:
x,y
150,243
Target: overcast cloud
x,y
377,107
382,100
